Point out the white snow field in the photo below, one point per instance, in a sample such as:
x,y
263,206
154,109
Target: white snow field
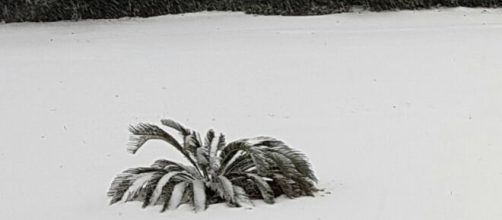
x,y
399,112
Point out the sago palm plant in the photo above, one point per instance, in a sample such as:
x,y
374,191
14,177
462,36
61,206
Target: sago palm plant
x,y
235,173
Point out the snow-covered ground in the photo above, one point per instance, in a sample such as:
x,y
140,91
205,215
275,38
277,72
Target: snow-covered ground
x,y
399,112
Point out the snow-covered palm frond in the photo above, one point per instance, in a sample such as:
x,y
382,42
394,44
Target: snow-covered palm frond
x,y
119,186
150,187
241,197
147,184
286,185
175,125
159,186
199,195
221,142
283,163
297,158
177,195
144,132
235,173
134,191
202,156
125,180
234,151
214,150
165,195
209,138
226,190
265,189
194,140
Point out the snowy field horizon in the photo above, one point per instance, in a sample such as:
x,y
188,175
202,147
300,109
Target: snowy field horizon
x,y
400,113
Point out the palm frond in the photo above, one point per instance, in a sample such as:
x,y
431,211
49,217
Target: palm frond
x,y
172,166
186,135
306,186
149,188
260,161
139,170
177,195
255,153
191,144
297,158
157,192
187,197
144,132
199,195
285,184
202,156
119,186
213,150
175,125
209,138
221,142
226,189
239,165
232,148
125,180
166,164
284,164
165,196
194,140
241,197
264,187
136,187
146,183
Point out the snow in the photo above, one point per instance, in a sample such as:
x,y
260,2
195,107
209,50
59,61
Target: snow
x,y
399,112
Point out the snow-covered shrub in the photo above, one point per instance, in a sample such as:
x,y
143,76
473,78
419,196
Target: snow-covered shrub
x,y
235,173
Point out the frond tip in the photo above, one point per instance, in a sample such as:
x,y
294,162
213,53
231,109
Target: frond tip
x,y
144,132
235,173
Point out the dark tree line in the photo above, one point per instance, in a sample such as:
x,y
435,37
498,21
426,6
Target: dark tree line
x,y
54,10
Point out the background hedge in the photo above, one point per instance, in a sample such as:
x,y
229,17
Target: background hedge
x,y
54,10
